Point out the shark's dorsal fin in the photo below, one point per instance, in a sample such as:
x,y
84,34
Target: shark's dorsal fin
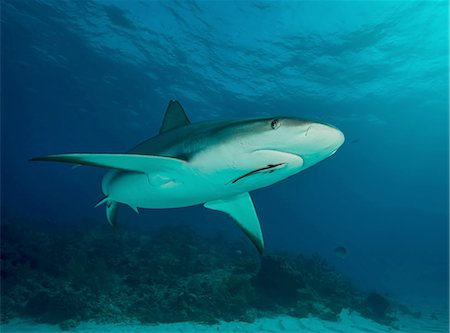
x,y
175,117
240,208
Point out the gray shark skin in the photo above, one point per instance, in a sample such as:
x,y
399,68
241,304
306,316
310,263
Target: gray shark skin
x,y
214,163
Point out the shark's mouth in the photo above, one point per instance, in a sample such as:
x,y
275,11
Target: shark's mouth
x,y
267,169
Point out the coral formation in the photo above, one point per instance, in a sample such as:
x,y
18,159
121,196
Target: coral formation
x,y
377,307
64,275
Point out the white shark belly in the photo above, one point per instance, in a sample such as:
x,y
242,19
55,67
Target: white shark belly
x,y
190,186
161,190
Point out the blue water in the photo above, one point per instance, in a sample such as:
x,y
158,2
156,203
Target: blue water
x,y
96,76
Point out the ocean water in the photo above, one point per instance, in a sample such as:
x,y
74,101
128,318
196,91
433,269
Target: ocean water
x,y
96,76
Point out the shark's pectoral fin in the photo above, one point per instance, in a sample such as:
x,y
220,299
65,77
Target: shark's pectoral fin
x,y
130,162
241,209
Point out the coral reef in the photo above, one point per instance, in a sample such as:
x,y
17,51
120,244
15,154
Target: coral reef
x,y
377,308
277,282
66,274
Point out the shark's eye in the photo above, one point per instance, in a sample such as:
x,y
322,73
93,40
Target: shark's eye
x,y
275,124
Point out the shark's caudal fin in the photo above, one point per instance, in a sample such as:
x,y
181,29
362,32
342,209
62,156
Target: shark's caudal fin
x,y
174,117
241,209
130,162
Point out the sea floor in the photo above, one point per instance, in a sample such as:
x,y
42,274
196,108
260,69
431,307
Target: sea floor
x,y
101,280
349,322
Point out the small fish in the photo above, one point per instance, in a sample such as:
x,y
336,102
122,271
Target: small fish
x,y
341,252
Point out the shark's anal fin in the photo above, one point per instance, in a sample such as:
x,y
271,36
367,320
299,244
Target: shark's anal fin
x,y
174,117
241,209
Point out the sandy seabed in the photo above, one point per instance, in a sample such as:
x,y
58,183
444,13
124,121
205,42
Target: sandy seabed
x,y
349,322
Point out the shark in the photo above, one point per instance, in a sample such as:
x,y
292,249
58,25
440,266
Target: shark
x,y
212,163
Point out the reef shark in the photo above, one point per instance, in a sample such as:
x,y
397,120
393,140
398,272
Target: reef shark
x,y
214,163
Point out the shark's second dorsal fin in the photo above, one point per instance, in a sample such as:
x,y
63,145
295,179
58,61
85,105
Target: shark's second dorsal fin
x,y
175,117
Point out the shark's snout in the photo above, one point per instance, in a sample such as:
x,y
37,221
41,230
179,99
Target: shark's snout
x,y
336,136
323,138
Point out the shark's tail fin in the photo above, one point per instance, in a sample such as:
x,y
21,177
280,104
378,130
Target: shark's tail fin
x,y
111,210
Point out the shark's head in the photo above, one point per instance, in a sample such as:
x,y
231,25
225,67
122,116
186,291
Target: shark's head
x,y
260,152
312,141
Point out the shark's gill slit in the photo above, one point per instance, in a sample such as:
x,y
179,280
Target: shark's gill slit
x,y
268,167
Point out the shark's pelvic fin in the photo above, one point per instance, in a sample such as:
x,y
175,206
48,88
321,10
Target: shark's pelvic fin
x,y
175,117
134,208
111,212
130,162
101,202
241,209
